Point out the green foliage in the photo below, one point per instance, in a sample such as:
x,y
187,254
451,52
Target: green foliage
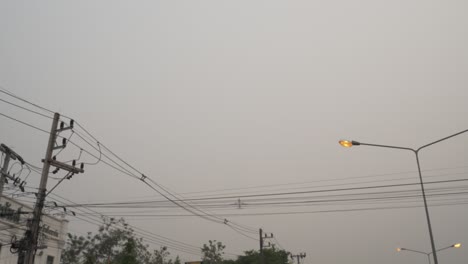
x,y
160,256
271,255
213,253
114,243
129,253
177,260
74,250
229,261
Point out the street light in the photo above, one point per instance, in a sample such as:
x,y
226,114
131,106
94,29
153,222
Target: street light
x,y
348,144
458,245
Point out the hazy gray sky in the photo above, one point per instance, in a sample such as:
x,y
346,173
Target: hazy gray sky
x,y
209,95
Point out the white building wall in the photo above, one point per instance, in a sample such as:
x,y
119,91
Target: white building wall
x,y
54,229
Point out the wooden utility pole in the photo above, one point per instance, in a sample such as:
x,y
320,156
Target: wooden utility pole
x,y
262,258
31,250
32,235
262,244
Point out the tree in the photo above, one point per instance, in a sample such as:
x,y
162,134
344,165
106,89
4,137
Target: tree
x,y
229,261
160,256
271,255
129,253
213,253
73,253
177,260
114,242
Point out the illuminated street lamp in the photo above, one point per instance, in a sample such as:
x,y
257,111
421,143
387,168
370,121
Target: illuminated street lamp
x,y
348,144
458,245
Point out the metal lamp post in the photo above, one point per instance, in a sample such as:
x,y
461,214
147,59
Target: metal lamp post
x,y
348,144
458,245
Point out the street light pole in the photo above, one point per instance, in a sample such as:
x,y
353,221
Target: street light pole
x,y
458,245
348,144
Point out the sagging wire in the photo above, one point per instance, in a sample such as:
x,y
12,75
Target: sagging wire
x,y
23,183
16,180
278,244
175,195
13,165
100,155
226,222
204,216
99,159
77,159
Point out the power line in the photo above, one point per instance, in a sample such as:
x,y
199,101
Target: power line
x,y
167,240
221,221
342,184
278,244
381,197
386,200
225,221
331,180
178,201
326,190
203,214
24,123
127,172
243,234
24,108
189,210
303,212
290,193
5,91
305,202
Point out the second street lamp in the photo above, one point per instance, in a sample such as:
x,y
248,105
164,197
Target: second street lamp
x,y
348,144
458,245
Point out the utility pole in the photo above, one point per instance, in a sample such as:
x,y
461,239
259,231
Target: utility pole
x,y
298,256
9,155
31,250
262,258
262,244
32,235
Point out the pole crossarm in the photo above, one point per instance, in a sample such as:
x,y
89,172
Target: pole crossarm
x,y
4,174
9,151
